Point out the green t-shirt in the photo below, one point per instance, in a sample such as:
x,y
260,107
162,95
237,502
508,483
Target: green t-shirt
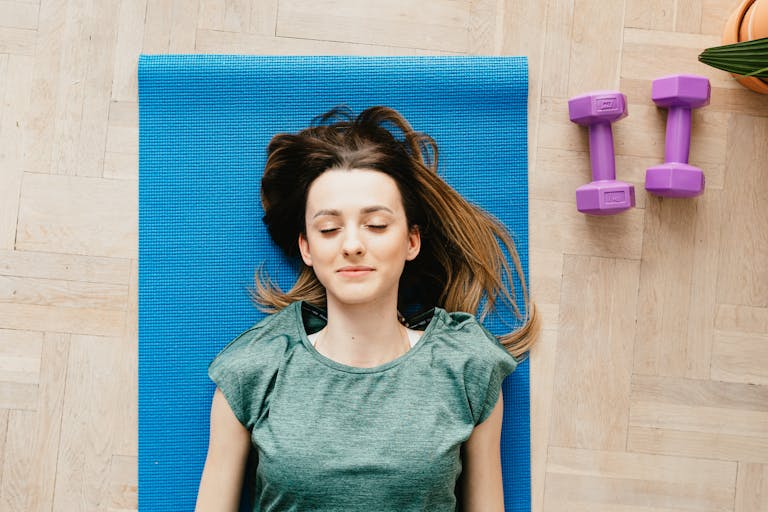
x,y
332,437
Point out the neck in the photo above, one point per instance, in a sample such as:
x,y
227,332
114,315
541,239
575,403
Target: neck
x,y
363,335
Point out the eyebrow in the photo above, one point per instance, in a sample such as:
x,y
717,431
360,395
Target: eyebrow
x,y
368,209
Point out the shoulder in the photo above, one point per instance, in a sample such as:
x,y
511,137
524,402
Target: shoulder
x,y
469,336
246,366
273,334
476,359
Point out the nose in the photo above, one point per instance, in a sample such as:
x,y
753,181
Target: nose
x,y
353,245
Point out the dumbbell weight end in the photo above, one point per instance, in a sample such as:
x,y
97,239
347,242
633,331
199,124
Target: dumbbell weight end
x,y
676,180
607,197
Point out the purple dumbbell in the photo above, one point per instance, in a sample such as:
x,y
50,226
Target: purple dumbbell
x,y
605,195
680,94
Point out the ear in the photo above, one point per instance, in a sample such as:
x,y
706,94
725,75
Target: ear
x,y
414,243
304,249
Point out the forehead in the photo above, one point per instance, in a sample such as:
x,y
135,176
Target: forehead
x,y
353,189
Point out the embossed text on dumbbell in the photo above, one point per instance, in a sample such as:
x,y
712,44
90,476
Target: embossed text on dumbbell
x,y
607,104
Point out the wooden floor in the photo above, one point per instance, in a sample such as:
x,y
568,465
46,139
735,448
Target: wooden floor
x,y
650,384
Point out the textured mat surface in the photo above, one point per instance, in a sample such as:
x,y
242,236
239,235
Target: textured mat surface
x,y
204,124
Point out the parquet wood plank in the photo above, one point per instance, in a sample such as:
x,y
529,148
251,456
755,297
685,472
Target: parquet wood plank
x,y
591,393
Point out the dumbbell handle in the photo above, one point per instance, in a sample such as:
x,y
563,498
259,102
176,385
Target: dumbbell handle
x,y
678,142
601,152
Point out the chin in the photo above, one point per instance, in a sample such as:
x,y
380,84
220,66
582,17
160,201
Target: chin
x,y
357,299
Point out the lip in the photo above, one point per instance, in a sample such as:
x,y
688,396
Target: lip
x,y
352,271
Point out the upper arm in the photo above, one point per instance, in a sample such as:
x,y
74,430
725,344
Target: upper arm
x,y
482,487
228,448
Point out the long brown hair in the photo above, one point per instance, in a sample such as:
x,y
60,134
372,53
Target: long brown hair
x,y
461,264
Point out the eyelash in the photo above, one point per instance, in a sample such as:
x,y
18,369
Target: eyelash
x,y
376,227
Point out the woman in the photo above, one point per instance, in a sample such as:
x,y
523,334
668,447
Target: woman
x,y
348,405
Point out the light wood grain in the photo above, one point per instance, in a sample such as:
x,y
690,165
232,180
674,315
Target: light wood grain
x,y
698,445
16,484
20,355
18,14
743,251
595,54
4,413
79,215
229,15
677,297
653,14
44,89
605,480
434,25
45,446
15,101
649,386
740,357
591,391
752,488
560,227
123,484
89,425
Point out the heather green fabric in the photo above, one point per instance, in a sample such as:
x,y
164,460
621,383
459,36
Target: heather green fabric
x,y
332,437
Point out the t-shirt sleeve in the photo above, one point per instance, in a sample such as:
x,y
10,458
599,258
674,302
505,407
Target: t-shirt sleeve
x,y
226,377
490,365
244,371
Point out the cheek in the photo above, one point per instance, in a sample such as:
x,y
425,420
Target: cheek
x,y
319,248
396,249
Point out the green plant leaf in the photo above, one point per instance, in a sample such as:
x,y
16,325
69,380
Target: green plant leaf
x,y
759,73
748,58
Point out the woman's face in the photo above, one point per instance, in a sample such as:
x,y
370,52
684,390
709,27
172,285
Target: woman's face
x,y
357,237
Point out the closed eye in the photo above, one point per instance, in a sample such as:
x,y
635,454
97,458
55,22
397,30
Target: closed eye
x,y
325,231
376,226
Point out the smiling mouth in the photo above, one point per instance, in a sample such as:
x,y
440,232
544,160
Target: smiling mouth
x,y
354,271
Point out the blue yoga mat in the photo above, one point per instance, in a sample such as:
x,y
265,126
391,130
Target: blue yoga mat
x,y
204,124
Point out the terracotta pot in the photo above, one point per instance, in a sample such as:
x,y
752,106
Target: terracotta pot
x,y
755,22
749,21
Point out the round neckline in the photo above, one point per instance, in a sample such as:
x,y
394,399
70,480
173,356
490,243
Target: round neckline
x,y
413,337
436,317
